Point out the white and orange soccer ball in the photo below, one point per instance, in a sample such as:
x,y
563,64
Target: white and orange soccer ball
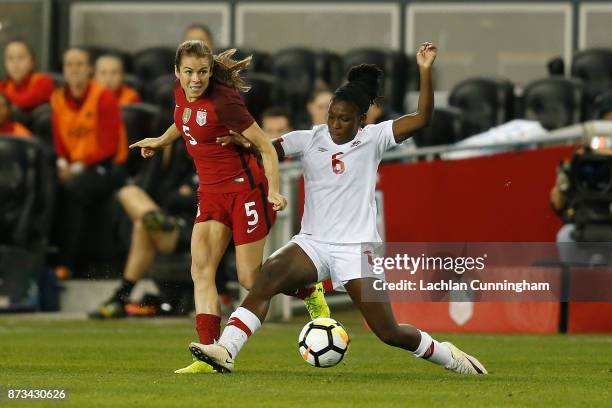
x,y
323,342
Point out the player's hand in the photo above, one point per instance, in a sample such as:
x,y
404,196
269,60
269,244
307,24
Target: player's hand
x,y
234,138
147,146
426,55
278,201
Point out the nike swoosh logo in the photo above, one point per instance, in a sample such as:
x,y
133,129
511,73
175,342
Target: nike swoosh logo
x,y
249,230
228,361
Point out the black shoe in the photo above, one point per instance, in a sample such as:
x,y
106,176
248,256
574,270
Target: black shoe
x,y
112,309
158,221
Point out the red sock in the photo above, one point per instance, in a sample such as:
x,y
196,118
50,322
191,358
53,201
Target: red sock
x,y
328,286
208,327
304,292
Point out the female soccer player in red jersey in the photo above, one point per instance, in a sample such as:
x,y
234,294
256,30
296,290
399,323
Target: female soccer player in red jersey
x,y
340,161
236,195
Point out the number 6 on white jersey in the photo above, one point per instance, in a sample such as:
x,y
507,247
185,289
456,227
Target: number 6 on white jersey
x,y
192,140
251,212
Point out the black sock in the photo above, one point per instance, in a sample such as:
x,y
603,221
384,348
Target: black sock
x,y
123,293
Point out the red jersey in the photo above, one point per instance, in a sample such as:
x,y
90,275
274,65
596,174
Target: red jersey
x,y
221,169
32,91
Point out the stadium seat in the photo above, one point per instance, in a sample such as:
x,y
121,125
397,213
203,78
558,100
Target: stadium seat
x,y
298,71
20,116
262,93
138,120
161,92
594,68
393,64
412,74
445,128
133,81
484,103
152,63
40,124
27,203
27,192
555,102
556,66
58,78
261,60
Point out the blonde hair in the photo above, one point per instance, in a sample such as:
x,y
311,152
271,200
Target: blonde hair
x,y
225,69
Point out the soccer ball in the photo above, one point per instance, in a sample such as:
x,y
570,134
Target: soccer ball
x,y
323,342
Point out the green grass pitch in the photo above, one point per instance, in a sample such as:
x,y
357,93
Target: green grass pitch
x,y
130,364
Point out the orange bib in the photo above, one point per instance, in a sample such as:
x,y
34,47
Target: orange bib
x,y
128,95
79,129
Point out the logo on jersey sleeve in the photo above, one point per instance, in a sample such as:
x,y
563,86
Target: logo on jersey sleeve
x,y
356,143
186,115
201,118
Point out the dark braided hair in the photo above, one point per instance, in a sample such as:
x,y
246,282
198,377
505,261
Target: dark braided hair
x,y
362,87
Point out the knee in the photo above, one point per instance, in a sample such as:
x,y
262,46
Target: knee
x,y
269,280
126,195
247,281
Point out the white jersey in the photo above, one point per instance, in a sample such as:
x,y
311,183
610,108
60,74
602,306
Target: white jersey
x,y
340,181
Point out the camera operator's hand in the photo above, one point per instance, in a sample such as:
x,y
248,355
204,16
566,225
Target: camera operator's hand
x,y
558,194
562,183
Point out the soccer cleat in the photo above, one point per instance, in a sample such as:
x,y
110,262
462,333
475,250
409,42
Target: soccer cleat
x,y
316,303
197,367
156,220
110,310
463,363
214,355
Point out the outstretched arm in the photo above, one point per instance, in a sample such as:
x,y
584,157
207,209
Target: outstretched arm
x,y
150,144
256,136
238,139
405,126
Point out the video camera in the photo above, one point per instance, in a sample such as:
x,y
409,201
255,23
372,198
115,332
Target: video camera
x,y
590,195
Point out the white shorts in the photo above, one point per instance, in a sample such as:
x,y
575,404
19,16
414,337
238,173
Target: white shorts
x,y
340,262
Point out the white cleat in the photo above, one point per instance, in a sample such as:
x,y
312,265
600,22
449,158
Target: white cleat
x,y
213,354
463,363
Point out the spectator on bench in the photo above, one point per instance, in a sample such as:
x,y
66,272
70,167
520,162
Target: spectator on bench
x,y
7,126
25,88
154,232
109,73
161,210
90,142
275,122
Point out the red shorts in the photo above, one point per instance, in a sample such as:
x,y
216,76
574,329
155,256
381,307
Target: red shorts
x,y
247,213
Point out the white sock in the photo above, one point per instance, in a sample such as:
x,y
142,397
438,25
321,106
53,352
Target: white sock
x,y
431,350
241,324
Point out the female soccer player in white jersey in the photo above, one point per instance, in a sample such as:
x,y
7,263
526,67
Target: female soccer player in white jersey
x,y
340,161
